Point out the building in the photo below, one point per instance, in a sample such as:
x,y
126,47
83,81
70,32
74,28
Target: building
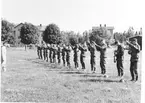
x,y
109,28
17,30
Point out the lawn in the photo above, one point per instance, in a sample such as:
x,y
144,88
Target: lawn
x,y
29,79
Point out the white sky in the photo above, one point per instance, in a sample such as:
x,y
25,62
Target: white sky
x,y
76,15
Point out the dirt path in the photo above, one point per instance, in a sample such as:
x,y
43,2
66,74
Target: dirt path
x,y
32,80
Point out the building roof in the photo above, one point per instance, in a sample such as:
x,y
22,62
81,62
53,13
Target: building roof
x,y
41,28
18,25
108,27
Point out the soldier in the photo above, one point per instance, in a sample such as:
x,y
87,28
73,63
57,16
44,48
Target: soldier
x,y
41,57
44,52
59,50
102,49
54,49
119,54
47,48
92,49
134,50
63,54
68,52
75,50
50,53
83,49
38,51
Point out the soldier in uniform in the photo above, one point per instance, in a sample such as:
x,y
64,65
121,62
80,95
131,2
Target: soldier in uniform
x,y
102,49
59,50
83,49
68,52
119,54
47,48
63,54
92,49
50,53
41,57
75,50
38,51
134,50
54,49
44,52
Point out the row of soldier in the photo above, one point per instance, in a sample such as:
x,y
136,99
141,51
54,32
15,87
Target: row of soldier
x,y
63,52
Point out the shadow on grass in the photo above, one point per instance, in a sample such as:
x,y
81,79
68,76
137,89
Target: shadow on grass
x,y
90,75
99,80
70,72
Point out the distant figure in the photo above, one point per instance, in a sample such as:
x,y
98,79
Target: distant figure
x,y
3,57
119,54
47,49
54,49
63,54
134,50
50,53
38,51
59,50
41,51
75,50
92,49
68,52
83,49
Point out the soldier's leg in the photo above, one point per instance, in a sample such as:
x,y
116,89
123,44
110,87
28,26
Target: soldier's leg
x,y
94,64
135,70
121,68
83,62
91,62
63,58
69,62
118,68
131,71
102,64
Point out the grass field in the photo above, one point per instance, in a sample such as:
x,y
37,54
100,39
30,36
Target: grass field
x,y
29,79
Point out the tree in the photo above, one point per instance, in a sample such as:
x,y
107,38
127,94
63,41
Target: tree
x,y
29,34
52,34
99,34
7,32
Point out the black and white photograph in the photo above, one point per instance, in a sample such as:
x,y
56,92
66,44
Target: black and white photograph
x,y
72,51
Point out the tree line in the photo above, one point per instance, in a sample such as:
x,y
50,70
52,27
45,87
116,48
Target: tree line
x,y
29,34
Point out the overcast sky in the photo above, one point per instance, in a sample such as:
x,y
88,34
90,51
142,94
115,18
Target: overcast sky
x,y
76,15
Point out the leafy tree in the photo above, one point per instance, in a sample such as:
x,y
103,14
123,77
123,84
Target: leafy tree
x,y
29,34
52,34
7,32
99,34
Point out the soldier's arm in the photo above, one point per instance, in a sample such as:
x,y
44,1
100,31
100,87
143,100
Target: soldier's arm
x,y
138,48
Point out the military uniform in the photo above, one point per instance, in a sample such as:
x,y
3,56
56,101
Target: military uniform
x,y
76,50
41,57
68,51
54,54
50,53
92,49
134,60
83,49
47,54
63,55
44,53
59,50
38,51
119,58
102,57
